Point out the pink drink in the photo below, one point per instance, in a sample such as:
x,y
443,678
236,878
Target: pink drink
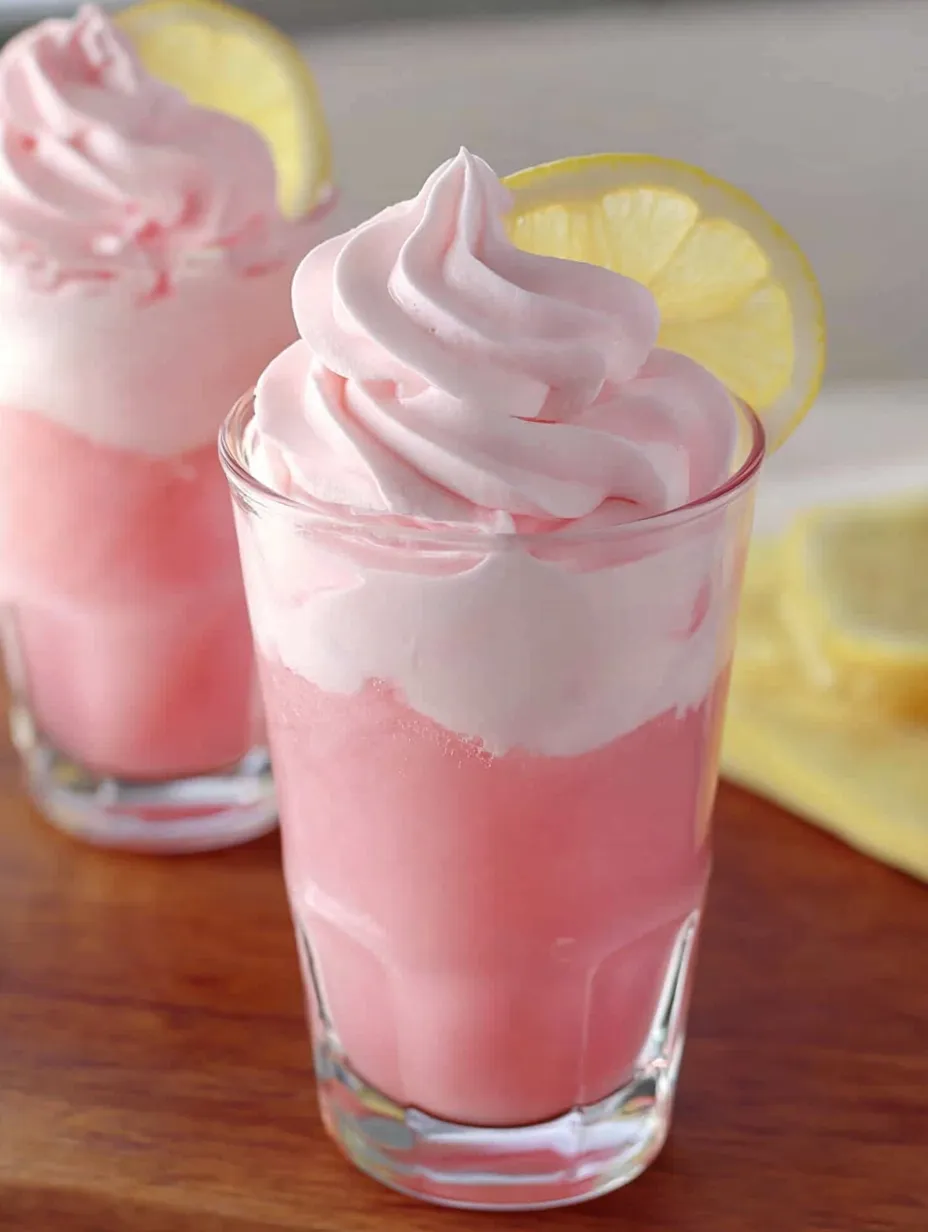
x,y
526,907
131,634
492,542
144,282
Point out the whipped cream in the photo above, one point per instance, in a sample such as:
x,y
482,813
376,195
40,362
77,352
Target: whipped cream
x,y
144,265
106,172
444,376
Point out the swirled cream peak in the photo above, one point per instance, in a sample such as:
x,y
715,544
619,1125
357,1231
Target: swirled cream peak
x,y
105,171
444,374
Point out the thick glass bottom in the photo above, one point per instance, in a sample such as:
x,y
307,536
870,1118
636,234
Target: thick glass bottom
x,y
196,812
584,1153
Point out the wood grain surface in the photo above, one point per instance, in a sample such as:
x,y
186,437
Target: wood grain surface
x,y
155,1070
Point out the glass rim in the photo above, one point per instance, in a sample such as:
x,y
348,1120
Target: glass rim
x,y
347,519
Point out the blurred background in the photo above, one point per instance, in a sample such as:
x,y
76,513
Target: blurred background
x,y
291,14
817,107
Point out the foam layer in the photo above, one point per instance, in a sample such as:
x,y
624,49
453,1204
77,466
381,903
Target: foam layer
x,y
507,649
155,377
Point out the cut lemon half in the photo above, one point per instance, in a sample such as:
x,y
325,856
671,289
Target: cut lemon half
x,y
221,57
735,292
847,768
855,599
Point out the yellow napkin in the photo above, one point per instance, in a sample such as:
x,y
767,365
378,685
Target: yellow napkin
x,y
863,777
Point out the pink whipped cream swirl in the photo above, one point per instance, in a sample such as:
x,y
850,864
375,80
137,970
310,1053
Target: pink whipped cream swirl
x,y
105,171
445,375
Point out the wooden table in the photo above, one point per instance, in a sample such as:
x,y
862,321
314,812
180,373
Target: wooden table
x,y
155,1072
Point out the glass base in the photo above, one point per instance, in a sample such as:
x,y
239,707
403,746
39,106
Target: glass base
x,y
585,1153
200,812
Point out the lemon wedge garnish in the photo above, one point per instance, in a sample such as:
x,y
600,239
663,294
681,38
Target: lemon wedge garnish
x,y
855,601
735,292
226,59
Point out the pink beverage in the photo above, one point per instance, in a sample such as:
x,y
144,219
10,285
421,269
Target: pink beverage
x,y
504,935
144,280
494,652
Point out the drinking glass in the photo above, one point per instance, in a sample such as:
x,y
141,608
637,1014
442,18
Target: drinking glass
x,y
134,702
496,851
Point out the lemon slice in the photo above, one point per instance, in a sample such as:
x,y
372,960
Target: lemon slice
x,y
857,773
855,599
221,57
735,292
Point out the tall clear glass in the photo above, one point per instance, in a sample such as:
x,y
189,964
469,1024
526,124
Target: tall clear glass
x,y
495,860
134,697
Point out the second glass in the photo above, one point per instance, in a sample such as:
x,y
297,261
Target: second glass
x,y
145,271
128,652
496,759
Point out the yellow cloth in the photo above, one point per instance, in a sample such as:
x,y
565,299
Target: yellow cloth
x,y
863,777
